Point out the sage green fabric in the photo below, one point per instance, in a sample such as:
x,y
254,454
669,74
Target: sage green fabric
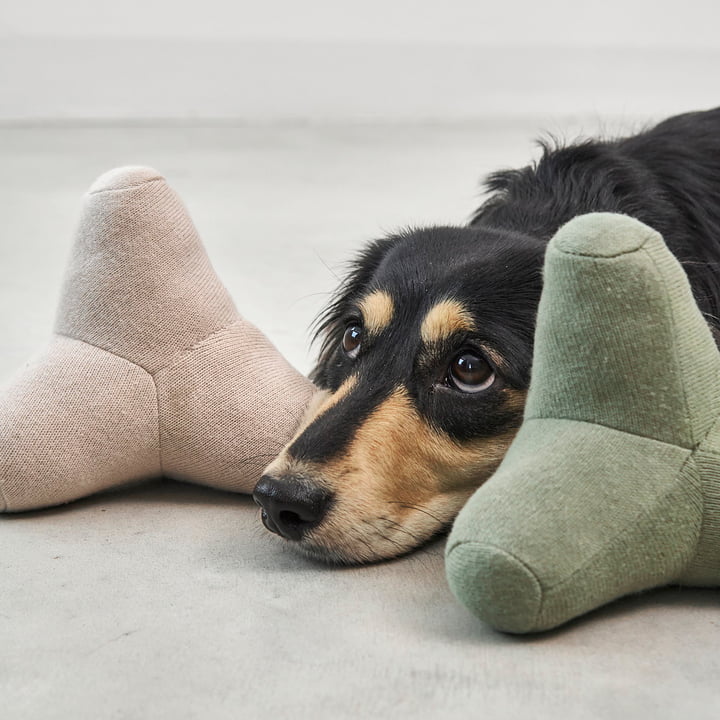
x,y
612,485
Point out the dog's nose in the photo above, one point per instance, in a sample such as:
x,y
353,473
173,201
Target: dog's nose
x,y
290,506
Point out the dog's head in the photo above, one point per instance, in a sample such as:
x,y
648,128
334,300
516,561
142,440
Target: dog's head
x,y
423,369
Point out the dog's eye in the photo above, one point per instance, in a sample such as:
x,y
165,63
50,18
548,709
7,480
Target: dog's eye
x,y
351,340
470,373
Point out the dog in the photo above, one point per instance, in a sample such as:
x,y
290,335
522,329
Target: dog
x,y
427,346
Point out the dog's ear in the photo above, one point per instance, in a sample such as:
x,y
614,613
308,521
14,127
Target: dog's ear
x,y
329,326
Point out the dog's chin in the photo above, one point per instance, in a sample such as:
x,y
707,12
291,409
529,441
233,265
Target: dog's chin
x,y
330,556
356,550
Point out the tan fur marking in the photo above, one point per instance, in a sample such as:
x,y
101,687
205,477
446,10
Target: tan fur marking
x,y
333,399
320,403
514,400
444,319
409,461
377,310
495,357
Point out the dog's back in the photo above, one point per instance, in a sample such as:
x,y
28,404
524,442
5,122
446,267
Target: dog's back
x,y
668,177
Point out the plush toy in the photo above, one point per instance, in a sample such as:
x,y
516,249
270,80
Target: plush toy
x,y
612,484
151,370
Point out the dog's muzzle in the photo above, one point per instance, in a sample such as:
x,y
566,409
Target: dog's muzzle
x,y
290,505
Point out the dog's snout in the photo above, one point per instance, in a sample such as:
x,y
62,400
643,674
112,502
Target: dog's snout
x,y
290,506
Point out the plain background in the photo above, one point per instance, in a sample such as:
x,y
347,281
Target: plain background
x,y
390,60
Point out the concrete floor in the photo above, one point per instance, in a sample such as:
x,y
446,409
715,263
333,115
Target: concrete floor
x,y
171,601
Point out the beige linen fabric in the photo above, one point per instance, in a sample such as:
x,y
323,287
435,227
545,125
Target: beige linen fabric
x,y
151,370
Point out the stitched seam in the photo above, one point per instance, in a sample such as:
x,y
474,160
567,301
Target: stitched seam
x,y
607,257
709,451
608,427
183,352
676,355
159,424
644,513
4,500
519,561
137,365
703,522
186,351
127,187
105,350
696,443
669,307
503,551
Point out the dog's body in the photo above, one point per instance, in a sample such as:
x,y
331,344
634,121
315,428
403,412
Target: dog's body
x,y
427,348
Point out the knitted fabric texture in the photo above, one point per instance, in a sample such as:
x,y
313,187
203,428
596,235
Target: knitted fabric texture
x,y
612,485
151,370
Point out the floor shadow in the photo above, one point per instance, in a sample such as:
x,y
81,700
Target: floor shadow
x,y
283,556
161,490
462,627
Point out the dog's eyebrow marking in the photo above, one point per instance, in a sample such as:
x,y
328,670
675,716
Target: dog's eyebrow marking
x,y
444,319
407,469
329,400
377,310
319,404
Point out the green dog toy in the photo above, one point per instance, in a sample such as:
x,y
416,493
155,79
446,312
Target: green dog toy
x,y
612,485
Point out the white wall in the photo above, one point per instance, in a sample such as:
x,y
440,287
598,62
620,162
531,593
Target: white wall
x,y
333,59
544,23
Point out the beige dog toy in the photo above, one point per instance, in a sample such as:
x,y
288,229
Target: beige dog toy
x,y
151,370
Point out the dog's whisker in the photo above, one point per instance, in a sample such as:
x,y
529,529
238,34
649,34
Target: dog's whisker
x,y
379,534
373,551
332,272
400,528
418,508
296,414
398,545
309,295
401,548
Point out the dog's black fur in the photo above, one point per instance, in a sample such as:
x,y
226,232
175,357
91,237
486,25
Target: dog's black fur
x,y
667,177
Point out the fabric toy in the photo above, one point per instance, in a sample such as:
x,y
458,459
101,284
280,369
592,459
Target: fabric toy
x,y
612,484
151,370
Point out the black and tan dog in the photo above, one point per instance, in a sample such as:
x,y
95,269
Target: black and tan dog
x,y
427,348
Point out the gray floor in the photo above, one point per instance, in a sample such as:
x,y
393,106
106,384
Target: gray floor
x,y
171,601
